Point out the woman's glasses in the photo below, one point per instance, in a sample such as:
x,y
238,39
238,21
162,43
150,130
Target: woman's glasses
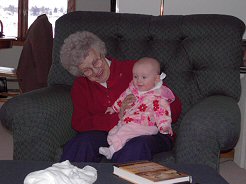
x,y
96,63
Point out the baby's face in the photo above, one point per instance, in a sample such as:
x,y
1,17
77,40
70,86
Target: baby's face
x,y
144,76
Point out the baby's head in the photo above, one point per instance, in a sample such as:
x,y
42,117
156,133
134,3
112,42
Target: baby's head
x,y
146,73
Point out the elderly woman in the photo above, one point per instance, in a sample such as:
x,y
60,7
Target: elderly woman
x,y
99,83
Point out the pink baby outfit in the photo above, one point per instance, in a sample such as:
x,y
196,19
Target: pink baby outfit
x,y
151,108
149,114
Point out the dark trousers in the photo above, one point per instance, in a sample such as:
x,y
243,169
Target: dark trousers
x,y
85,147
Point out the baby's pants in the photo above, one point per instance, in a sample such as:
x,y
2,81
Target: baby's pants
x,y
120,134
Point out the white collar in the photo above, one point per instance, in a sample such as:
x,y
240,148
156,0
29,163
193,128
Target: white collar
x,y
105,83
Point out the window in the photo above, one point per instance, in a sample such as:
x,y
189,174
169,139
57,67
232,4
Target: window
x,y
18,15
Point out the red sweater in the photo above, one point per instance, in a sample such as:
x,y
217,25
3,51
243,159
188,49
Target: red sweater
x,y
91,99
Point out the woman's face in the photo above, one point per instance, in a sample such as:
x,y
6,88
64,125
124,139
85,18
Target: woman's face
x,y
95,67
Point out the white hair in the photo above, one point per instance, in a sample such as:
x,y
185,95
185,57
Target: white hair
x,y
76,48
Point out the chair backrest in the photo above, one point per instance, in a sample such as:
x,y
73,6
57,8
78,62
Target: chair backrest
x,y
201,54
36,56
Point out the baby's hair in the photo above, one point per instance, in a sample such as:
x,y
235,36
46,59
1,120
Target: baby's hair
x,y
154,63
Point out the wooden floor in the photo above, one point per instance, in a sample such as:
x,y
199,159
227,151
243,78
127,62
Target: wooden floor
x,y
229,154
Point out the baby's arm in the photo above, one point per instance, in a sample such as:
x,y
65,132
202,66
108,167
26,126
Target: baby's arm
x,y
163,117
116,107
166,130
122,100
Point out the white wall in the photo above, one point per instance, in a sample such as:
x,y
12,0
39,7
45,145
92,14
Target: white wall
x,y
149,7
236,8
93,5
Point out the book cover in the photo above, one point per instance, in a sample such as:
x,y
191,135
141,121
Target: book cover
x,y
146,172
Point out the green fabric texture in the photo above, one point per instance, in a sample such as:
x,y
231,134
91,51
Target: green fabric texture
x,y
200,54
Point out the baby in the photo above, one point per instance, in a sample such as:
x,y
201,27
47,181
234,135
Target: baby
x,y
149,114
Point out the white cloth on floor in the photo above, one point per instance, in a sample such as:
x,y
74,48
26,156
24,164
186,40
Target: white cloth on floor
x,y
62,173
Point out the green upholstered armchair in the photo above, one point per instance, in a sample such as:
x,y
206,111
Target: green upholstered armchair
x,y
201,55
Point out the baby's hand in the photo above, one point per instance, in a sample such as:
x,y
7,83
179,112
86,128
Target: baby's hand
x,y
126,104
165,130
110,110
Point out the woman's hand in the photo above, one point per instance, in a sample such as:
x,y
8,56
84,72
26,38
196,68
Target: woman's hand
x,y
126,104
110,110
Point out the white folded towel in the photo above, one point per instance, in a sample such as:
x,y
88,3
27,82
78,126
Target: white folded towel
x,y
62,173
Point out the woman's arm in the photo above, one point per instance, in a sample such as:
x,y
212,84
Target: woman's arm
x,y
89,109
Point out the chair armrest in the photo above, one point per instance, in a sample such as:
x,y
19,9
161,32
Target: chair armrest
x,y
207,128
40,122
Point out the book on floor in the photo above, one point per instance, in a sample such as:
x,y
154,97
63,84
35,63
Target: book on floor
x,y
146,172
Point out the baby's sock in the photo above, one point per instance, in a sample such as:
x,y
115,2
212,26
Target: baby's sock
x,y
106,152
